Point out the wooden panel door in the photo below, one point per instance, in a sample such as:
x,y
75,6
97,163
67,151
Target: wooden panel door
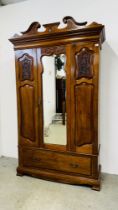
x,y
84,114
27,97
84,97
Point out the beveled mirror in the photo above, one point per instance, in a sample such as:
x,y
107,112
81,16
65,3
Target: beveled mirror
x,y
54,99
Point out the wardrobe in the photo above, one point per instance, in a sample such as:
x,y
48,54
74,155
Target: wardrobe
x,y
63,145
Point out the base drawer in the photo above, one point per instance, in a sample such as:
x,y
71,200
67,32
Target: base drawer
x,y
56,161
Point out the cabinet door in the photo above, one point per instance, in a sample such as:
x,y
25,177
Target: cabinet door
x,y
84,97
26,79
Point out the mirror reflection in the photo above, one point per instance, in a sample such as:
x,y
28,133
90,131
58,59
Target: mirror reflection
x,y
54,99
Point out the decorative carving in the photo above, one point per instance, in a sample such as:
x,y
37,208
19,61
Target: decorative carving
x,y
54,27
51,27
33,28
26,69
53,31
26,64
71,23
84,63
53,50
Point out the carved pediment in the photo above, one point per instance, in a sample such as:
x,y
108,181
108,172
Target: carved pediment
x,y
54,27
54,31
33,28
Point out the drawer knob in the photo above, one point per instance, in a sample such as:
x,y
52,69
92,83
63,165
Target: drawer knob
x,y
74,165
35,159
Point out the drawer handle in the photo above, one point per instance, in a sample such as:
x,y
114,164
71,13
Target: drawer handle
x,y
36,159
74,165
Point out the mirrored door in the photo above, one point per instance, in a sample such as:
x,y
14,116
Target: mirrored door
x,y
54,99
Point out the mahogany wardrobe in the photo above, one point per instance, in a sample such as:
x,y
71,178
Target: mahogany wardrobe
x,y
57,80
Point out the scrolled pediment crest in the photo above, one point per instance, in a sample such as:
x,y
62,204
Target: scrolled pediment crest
x,y
33,28
70,24
54,31
54,27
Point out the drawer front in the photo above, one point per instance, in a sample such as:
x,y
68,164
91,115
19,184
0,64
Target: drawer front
x,y
57,161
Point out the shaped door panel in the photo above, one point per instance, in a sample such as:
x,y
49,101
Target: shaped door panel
x,y
28,109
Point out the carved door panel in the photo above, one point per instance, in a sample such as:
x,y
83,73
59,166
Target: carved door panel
x,y
84,97
26,78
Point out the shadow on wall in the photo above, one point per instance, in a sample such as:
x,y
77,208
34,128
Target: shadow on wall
x,y
109,109
6,2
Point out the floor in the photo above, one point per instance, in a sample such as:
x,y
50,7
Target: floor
x,y
56,134
26,193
